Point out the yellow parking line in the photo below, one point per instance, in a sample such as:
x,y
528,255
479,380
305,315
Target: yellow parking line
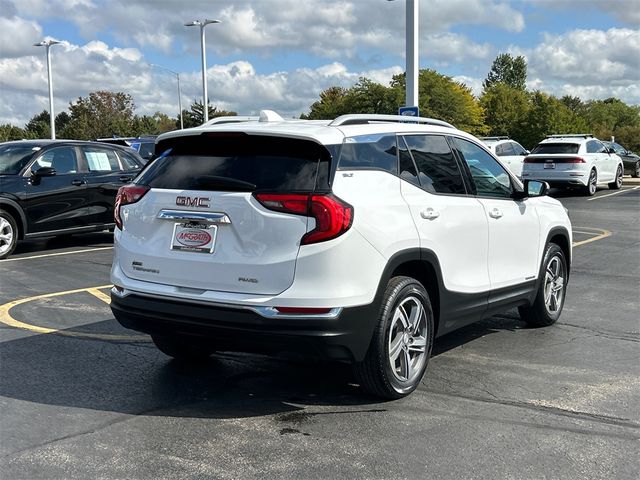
x,y
98,294
54,254
7,319
614,193
600,236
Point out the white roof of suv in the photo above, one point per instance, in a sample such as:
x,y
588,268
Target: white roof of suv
x,y
569,138
323,131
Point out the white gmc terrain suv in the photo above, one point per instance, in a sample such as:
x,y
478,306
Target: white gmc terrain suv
x,y
360,239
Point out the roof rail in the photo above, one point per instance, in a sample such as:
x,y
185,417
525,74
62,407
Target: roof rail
x,y
571,135
231,119
364,118
504,137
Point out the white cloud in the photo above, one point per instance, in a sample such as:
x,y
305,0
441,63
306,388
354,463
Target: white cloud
x,y
325,28
18,35
79,70
588,63
588,57
626,11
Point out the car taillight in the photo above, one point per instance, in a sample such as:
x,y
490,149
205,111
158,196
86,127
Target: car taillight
x,y
554,160
125,196
571,160
333,216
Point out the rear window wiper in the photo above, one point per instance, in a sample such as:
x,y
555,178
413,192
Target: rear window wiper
x,y
225,183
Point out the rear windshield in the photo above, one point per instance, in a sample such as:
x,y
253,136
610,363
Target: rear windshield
x,y
545,148
13,158
238,162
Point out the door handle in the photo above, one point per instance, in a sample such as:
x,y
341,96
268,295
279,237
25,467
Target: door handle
x,y
126,178
495,213
429,214
78,183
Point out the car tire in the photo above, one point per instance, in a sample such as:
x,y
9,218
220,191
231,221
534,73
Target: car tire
x,y
183,349
547,306
8,234
617,183
636,170
402,341
592,184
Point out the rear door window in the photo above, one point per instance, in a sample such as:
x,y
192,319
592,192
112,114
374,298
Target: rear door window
x,y
373,152
101,159
438,171
238,162
505,150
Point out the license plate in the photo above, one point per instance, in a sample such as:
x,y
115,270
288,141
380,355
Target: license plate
x,y
194,237
549,165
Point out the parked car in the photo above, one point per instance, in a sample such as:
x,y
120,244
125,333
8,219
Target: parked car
x,y
510,152
145,146
360,239
630,160
578,160
54,187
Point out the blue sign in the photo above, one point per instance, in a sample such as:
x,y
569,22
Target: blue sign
x,y
409,111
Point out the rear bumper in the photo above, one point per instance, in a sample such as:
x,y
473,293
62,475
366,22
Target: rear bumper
x,y
344,338
577,179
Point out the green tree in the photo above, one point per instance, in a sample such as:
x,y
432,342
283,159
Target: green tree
x,y
575,104
101,114
629,137
332,104
164,123
194,117
509,70
605,117
367,96
505,109
445,99
38,126
547,116
9,132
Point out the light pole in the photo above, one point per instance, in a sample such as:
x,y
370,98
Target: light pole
x,y
179,91
202,24
412,52
52,119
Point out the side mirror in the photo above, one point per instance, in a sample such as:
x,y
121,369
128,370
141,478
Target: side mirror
x,y
532,188
44,172
610,150
536,188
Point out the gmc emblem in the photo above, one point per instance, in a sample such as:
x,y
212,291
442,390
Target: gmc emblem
x,y
193,202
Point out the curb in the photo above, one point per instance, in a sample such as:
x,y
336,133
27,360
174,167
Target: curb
x,y
627,180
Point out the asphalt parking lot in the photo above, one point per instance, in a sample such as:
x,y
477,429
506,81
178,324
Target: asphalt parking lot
x,y
81,397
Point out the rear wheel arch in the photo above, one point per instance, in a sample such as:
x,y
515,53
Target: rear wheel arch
x,y
422,265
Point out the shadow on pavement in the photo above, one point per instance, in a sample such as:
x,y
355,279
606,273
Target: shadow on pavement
x,y
48,244
135,378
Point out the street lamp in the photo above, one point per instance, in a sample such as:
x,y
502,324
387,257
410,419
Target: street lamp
x,y
412,51
52,119
179,91
202,24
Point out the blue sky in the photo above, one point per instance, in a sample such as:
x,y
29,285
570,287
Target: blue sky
x,y
280,54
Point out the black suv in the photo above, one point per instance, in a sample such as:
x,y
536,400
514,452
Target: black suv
x,y
54,187
630,160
